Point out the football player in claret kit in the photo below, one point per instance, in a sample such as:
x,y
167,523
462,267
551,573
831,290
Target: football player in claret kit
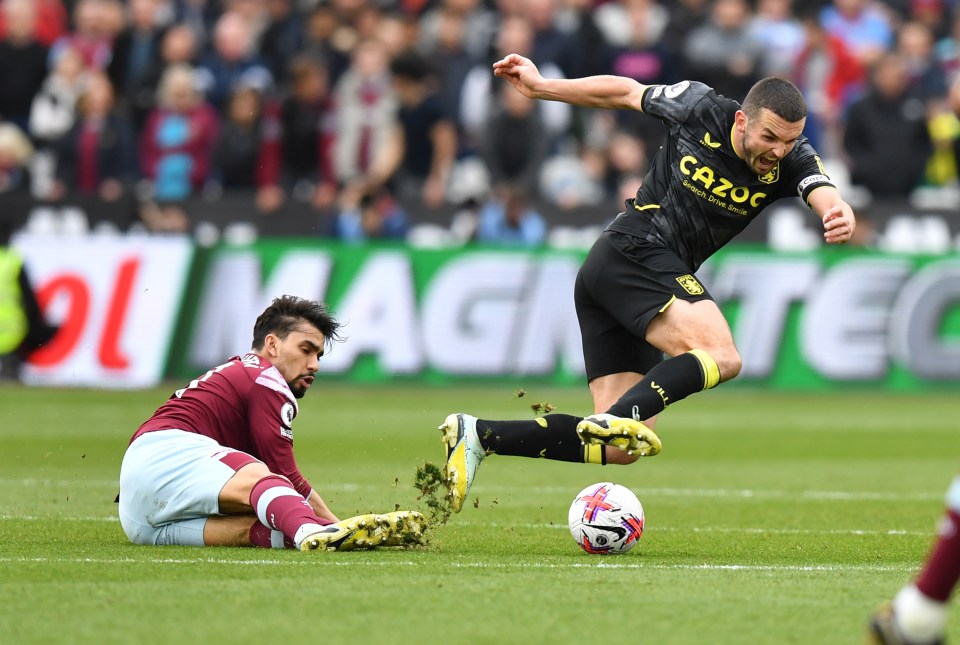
x,y
214,465
918,613
637,296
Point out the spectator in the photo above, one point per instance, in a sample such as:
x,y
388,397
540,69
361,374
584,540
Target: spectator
x,y
282,39
246,156
550,44
136,50
615,23
23,62
589,40
50,23
781,35
375,216
52,110
722,52
516,143
830,78
23,328
864,28
429,136
953,99
233,61
52,113
947,49
177,142
324,40
199,16
643,55
476,99
178,47
508,219
350,13
933,14
927,79
15,153
684,17
626,159
397,32
645,58
451,58
479,21
92,33
306,139
368,142
886,137
98,155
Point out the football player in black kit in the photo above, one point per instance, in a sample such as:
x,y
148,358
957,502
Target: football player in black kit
x,y
636,295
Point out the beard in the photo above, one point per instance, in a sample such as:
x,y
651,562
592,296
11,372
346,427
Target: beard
x,y
298,390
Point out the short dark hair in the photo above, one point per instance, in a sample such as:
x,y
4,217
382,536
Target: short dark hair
x,y
410,65
286,312
778,95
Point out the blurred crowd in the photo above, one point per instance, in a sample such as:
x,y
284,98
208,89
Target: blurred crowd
x,y
373,109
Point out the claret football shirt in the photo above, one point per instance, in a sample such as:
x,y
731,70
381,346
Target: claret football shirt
x,y
244,404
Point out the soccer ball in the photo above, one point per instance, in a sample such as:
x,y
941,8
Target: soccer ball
x,y
606,518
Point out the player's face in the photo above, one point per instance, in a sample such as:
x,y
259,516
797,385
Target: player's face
x,y
297,356
766,139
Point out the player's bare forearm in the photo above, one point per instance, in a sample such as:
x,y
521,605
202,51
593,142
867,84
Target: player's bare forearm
x,y
839,222
605,91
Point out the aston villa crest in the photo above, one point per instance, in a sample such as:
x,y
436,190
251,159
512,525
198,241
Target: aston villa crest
x,y
690,284
771,176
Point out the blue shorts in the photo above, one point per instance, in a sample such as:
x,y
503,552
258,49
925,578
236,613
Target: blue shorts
x,y
170,483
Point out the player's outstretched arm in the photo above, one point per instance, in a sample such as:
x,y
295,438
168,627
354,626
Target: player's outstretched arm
x,y
610,92
839,222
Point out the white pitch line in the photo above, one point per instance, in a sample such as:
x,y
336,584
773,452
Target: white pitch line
x,y
541,526
329,561
739,529
709,493
58,518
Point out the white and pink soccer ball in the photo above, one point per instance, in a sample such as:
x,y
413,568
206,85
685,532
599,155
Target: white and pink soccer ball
x,y
606,518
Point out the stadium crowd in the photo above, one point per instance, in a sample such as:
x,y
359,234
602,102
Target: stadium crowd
x,y
375,109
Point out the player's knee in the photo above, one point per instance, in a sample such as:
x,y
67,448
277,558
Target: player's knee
x,y
237,490
731,366
141,539
722,360
727,360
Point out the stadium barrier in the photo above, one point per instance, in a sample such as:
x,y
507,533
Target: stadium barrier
x,y
922,225
134,310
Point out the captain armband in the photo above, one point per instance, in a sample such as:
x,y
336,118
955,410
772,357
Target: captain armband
x,y
807,185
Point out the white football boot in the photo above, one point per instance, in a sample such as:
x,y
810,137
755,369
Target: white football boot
x,y
464,454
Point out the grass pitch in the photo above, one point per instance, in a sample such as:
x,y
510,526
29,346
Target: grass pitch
x,y
771,518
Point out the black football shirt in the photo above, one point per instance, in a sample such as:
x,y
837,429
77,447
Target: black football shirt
x,y
698,194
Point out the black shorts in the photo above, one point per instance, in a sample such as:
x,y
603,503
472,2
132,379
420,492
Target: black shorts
x,y
624,282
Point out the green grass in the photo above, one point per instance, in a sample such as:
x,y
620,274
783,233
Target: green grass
x,y
771,518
